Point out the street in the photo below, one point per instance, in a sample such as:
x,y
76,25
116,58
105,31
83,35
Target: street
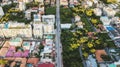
x,y
58,40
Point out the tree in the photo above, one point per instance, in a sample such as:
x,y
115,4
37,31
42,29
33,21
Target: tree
x,y
89,12
94,21
112,1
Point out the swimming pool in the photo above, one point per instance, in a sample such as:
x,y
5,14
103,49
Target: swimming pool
x,y
110,28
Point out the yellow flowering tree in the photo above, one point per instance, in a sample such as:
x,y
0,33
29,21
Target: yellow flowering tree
x,y
85,54
90,45
112,1
92,50
89,12
94,21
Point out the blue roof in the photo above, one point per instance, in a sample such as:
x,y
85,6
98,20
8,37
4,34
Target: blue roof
x,y
110,28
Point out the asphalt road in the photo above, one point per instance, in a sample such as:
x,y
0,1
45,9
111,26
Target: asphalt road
x,y
58,40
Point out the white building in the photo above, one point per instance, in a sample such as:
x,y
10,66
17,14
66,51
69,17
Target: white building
x,y
73,2
109,11
77,18
95,1
41,1
79,24
49,19
25,1
64,2
97,11
38,30
48,29
16,29
1,12
65,26
28,14
105,20
41,9
87,3
22,5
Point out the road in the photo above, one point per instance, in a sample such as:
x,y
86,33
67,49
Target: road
x,y
58,40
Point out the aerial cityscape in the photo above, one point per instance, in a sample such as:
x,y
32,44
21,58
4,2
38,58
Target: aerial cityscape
x,y
59,33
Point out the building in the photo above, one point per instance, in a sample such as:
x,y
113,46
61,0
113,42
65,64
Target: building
x,y
97,11
73,2
48,29
1,12
16,29
109,11
49,19
38,30
26,1
22,5
64,2
28,14
46,65
41,9
65,26
105,20
79,24
77,18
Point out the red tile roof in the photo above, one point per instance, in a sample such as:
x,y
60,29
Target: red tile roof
x,y
46,65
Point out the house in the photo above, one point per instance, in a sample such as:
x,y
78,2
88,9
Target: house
x,y
46,53
79,24
77,18
22,5
113,33
116,20
91,62
87,3
97,11
49,41
49,19
73,2
105,20
95,1
5,0
109,11
46,65
98,54
26,1
15,41
41,1
28,14
41,9
1,12
64,2
65,26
